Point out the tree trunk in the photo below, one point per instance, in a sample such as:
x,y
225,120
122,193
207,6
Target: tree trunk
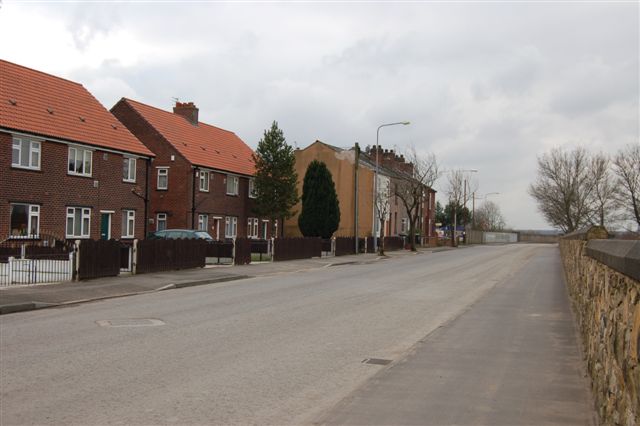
x,y
381,242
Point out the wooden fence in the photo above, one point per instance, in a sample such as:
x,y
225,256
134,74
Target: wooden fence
x,y
168,255
98,258
296,248
345,246
242,251
393,243
220,250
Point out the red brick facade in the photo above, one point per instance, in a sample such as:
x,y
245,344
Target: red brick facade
x,y
54,190
177,201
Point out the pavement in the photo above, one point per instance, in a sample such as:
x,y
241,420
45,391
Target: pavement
x,y
25,298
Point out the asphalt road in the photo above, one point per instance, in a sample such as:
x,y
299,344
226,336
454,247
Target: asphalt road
x,y
286,349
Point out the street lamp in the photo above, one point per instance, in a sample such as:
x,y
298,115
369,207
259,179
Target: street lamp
x,y
375,182
473,214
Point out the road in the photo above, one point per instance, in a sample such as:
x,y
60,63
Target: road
x,y
286,349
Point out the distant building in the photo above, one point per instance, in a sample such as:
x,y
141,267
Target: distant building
x,y
202,176
68,167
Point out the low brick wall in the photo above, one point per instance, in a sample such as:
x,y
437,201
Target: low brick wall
x,y
607,306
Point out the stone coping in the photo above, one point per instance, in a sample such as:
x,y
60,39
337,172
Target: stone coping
x,y
588,233
621,255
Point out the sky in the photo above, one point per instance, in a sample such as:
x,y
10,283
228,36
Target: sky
x,y
488,86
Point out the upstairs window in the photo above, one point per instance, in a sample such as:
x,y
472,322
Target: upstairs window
x,y
129,169
25,220
252,188
163,178
79,161
232,185
25,154
204,181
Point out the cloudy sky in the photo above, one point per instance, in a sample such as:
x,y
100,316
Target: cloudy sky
x,y
486,85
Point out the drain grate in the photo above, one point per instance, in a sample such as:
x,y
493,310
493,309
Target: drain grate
x,y
376,361
130,322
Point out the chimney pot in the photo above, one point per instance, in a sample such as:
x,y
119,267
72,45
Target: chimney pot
x,y
188,110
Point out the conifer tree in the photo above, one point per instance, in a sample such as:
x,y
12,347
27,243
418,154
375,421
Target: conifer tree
x,y
320,213
276,178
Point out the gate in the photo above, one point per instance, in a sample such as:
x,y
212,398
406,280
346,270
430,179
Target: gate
x,y
45,259
98,258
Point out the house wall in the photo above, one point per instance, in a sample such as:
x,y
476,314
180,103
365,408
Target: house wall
x,y
53,189
177,200
342,167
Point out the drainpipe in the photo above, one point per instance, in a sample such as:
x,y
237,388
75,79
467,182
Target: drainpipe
x,y
355,195
146,198
193,199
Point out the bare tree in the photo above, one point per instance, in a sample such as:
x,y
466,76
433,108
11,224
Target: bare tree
x,y
627,168
604,190
459,193
563,188
383,207
488,217
412,184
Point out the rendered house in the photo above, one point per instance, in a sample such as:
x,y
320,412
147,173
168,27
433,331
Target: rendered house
x,y
202,175
68,167
353,173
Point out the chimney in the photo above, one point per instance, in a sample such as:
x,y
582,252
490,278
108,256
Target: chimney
x,y
188,110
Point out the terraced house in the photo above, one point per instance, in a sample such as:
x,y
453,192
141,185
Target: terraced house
x,y
202,175
68,167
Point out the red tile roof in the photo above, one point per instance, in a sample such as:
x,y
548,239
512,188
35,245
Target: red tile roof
x,y
42,104
202,145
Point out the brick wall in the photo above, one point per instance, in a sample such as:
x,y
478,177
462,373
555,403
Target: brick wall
x,y
177,200
53,189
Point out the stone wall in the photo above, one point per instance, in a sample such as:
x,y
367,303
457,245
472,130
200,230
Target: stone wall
x,y
607,306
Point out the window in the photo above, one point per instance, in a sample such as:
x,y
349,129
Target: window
x,y
252,188
129,169
252,227
230,226
204,181
78,222
25,220
403,226
128,223
232,185
203,222
161,221
25,154
79,161
163,178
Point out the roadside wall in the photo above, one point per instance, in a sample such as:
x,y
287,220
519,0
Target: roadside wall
x,y
528,237
606,302
481,237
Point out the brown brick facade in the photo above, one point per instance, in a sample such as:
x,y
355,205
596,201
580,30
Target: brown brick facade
x,y
177,201
53,189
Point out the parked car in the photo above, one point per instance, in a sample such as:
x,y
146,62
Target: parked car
x,y
174,234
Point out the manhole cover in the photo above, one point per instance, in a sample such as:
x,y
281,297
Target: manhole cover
x,y
130,322
376,361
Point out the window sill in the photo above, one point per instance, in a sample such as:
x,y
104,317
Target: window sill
x,y
127,237
162,189
232,195
31,169
76,237
128,181
79,175
205,191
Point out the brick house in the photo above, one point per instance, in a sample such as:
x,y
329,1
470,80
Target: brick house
x,y
202,176
353,173
68,167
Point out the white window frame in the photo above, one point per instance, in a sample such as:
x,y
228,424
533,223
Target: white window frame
x,y
204,180
161,217
203,222
404,225
85,222
230,226
235,183
85,155
252,188
128,224
130,175
165,174
252,227
33,212
34,147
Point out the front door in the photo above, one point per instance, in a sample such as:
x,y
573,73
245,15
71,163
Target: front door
x,y
105,226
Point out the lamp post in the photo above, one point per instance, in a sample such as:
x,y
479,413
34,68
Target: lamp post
x,y
473,214
375,182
